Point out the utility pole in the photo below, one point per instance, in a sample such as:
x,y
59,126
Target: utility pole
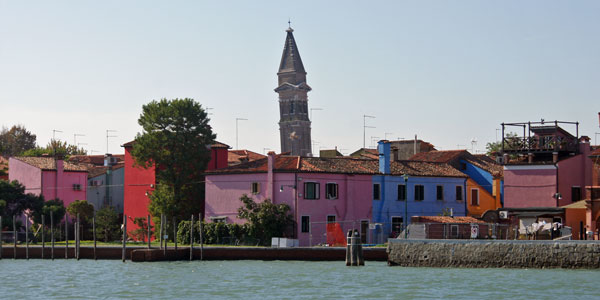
x,y
109,136
365,128
236,131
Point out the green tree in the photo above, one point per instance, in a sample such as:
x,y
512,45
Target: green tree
x,y
16,201
162,201
141,233
175,138
81,207
56,147
16,140
266,220
496,147
108,224
56,206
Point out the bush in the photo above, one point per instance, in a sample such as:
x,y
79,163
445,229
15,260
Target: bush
x,y
215,233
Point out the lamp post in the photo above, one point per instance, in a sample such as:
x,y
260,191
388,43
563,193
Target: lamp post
x,y
405,176
236,130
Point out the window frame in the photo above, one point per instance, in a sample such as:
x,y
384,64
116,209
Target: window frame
x,y
376,192
459,195
317,188
331,222
439,196
402,192
478,201
392,222
421,193
303,226
573,189
255,188
327,195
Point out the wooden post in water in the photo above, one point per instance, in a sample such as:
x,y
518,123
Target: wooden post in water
x,y
160,235
175,234
164,235
359,251
66,237
26,238
0,237
43,235
94,233
124,236
149,232
201,238
52,235
349,248
15,237
77,237
192,239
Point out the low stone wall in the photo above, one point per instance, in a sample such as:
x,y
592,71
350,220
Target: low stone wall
x,y
494,254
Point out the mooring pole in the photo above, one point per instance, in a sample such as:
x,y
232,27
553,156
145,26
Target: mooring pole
x,y
201,238
66,237
94,233
15,236
26,238
43,235
349,247
77,237
0,237
162,217
149,232
164,235
175,234
359,251
192,239
124,236
52,235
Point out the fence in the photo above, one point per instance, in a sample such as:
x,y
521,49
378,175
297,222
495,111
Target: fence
x,y
461,231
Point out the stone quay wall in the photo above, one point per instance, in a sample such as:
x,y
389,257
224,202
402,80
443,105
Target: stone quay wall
x,y
494,254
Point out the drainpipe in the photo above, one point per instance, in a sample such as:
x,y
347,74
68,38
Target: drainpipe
x,y
465,196
296,205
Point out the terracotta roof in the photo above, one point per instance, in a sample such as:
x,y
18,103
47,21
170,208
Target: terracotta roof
x,y
94,171
239,156
578,205
94,159
453,158
595,153
330,153
47,163
366,153
344,165
446,219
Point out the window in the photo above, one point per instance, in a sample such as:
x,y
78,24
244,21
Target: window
x,y
419,192
305,224
397,224
401,192
376,191
76,187
439,192
454,231
330,219
292,108
575,193
331,191
459,193
255,188
311,190
475,197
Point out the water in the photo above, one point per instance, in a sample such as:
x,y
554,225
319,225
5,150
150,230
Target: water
x,y
88,279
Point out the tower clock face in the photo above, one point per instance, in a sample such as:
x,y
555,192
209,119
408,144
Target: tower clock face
x,y
294,136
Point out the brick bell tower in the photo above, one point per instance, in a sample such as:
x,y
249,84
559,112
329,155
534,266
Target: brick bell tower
x,y
294,125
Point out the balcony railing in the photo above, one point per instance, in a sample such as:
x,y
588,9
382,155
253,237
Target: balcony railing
x,y
540,144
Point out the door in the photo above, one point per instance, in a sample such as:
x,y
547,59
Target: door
x,y
364,230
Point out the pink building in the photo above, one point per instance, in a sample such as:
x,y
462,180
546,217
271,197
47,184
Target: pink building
x,y
49,177
549,167
318,190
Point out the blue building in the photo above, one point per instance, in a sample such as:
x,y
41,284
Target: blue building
x,y
408,188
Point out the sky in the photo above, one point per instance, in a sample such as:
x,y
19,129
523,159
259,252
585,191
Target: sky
x,y
448,71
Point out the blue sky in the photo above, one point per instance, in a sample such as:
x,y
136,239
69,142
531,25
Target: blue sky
x,y
449,71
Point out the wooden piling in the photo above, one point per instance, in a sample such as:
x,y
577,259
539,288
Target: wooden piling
x,y
124,237
201,238
52,235
94,233
0,237
149,232
15,237
359,252
160,235
77,237
175,234
192,239
26,238
348,247
66,237
43,235
164,235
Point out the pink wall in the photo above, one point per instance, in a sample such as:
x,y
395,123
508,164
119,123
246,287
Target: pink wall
x,y
27,175
574,171
529,186
353,203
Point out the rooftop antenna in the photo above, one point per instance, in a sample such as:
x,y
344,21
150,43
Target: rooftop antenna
x,y
473,143
236,131
365,128
75,137
386,134
109,136
54,131
289,23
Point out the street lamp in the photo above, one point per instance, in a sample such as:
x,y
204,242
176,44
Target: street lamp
x,y
405,176
236,131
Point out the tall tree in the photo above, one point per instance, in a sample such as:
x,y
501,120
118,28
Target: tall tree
x,y
14,200
56,147
81,207
175,139
16,140
266,219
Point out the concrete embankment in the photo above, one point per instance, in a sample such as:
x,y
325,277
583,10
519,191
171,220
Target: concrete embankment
x,y
139,254
494,254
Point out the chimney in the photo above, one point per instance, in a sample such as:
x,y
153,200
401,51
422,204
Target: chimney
x,y
554,157
108,160
415,144
270,166
383,148
505,158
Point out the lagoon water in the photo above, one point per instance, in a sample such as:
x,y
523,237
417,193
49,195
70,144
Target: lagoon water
x,y
88,279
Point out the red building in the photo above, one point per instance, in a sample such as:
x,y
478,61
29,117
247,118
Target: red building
x,y
139,182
